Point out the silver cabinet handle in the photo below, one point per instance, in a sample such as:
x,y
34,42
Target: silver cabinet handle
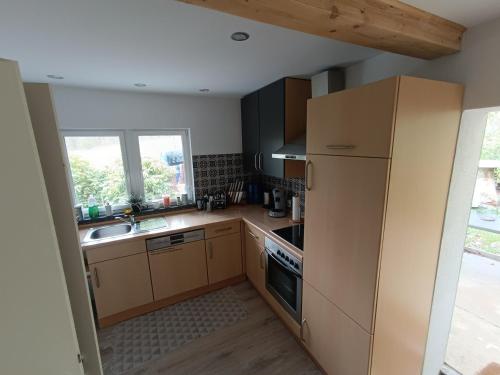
x,y
304,321
261,158
210,250
308,164
255,161
340,147
96,277
261,260
253,235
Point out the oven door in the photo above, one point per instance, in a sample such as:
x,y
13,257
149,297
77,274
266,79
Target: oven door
x,y
285,285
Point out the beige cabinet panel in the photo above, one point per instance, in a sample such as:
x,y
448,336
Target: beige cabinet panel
x,y
424,149
179,269
121,284
224,258
116,250
361,117
222,229
342,237
339,345
255,258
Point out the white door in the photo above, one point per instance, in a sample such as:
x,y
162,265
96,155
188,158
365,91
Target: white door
x,y
44,123
36,324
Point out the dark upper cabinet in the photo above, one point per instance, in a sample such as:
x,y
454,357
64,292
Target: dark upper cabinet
x,y
272,127
270,117
250,131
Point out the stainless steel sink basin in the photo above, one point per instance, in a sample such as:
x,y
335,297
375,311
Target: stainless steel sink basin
x,y
109,231
117,230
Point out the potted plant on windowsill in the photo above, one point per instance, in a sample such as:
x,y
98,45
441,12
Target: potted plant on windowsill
x,y
136,203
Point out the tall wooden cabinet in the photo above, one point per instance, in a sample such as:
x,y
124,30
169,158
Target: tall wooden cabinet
x,y
271,117
379,161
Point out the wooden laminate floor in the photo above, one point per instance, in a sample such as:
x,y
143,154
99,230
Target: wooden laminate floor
x,y
259,344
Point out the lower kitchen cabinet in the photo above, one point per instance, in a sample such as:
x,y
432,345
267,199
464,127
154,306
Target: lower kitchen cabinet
x,y
178,270
339,344
255,258
224,257
121,284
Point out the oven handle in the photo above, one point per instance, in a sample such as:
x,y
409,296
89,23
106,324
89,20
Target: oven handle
x,y
282,264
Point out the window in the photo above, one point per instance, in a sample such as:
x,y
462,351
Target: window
x,y
112,165
162,164
96,164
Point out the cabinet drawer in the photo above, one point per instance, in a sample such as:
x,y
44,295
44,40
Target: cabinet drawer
x,y
116,250
356,122
222,229
180,269
338,344
252,233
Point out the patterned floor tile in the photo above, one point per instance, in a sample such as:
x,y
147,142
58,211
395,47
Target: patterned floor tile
x,y
146,338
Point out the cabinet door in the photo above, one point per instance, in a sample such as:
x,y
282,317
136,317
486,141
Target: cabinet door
x,y
178,270
272,127
250,131
355,122
342,236
121,284
224,258
339,345
255,258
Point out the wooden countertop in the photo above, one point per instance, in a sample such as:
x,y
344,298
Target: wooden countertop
x,y
253,214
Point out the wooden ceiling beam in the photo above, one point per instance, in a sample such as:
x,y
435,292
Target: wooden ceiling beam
x,y
387,25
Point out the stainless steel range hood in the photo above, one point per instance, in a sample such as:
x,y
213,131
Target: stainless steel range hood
x,y
322,84
295,150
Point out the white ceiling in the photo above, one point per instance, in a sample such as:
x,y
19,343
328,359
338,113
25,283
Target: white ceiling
x,y
175,47
465,12
170,46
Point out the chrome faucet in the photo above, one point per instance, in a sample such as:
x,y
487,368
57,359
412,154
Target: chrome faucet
x,y
131,220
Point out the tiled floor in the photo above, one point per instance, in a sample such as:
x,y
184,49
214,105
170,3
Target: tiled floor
x,y
258,343
474,343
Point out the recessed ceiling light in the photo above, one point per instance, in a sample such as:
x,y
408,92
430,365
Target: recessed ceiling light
x,y
140,85
204,90
53,76
240,36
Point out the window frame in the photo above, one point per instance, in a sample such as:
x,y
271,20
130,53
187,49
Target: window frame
x,y
131,158
96,133
136,174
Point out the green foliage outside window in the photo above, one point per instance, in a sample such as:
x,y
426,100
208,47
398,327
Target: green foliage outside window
x,y
108,184
159,179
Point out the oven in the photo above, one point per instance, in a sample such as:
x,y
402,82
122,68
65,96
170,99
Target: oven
x,y
284,278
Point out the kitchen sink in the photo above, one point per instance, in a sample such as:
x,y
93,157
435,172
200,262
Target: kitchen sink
x,y
117,230
109,231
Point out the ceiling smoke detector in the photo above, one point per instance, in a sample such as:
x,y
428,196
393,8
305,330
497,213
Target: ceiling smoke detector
x,y
240,36
54,76
140,84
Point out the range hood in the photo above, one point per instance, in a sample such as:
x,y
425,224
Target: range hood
x,y
295,150
323,83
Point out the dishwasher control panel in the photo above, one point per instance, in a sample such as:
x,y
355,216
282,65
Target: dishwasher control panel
x,y
164,242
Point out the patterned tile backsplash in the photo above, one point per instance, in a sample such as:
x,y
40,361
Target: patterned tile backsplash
x,y
216,172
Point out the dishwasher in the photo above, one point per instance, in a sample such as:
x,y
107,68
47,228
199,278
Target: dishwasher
x,y
178,263
165,243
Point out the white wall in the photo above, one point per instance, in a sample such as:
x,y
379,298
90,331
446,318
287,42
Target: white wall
x,y
477,66
215,123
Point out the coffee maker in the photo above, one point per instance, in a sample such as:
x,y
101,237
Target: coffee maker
x,y
278,204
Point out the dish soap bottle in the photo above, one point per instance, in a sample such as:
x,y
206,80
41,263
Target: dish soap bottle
x,y
93,208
